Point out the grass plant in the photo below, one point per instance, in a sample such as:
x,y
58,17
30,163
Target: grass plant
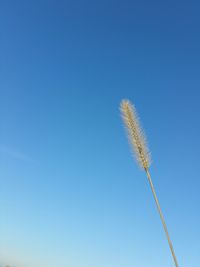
x,y
138,143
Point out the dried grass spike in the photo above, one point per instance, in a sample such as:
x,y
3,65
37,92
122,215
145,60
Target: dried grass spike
x,y
136,136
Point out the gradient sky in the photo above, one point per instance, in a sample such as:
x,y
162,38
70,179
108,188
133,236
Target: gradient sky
x,y
71,194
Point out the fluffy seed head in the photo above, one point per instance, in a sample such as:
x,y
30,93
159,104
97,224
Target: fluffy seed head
x,y
136,136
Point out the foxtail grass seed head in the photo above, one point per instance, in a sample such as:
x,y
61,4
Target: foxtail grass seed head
x,y
135,134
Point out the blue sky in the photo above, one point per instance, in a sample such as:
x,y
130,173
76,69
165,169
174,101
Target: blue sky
x,y
70,193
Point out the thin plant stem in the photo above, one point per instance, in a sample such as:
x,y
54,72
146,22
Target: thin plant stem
x,y
161,217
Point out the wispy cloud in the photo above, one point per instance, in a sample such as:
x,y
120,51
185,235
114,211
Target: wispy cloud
x,y
15,154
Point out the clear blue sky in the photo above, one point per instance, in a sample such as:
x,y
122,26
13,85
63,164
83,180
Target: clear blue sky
x,y
71,195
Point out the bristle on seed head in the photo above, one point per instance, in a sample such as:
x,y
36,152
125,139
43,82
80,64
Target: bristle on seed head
x,y
136,136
